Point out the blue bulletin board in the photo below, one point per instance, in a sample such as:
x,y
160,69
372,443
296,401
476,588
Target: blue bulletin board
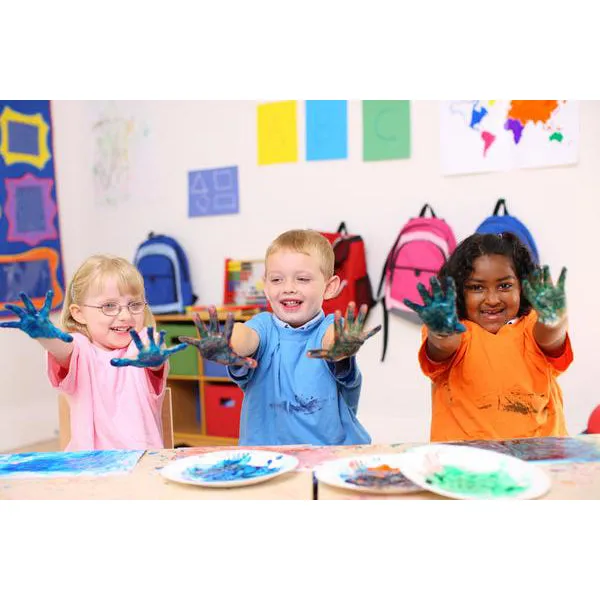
x,y
30,253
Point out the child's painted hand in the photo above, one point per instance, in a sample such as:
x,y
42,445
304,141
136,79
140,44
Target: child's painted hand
x,y
348,337
36,324
439,310
154,355
215,344
548,301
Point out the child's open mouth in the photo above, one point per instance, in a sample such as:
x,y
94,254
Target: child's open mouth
x,y
493,315
122,330
291,305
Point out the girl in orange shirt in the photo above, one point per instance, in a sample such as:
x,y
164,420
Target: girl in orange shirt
x,y
494,341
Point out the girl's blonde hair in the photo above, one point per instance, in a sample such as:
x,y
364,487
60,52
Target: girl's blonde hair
x,y
92,273
306,241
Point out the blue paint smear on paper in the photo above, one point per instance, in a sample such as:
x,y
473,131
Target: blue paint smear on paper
x,y
67,464
326,129
546,449
231,469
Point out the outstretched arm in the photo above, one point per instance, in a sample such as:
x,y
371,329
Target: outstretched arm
x,y
438,314
231,346
550,304
37,325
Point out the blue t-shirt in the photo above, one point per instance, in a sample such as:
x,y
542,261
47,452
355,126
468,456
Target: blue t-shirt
x,y
292,399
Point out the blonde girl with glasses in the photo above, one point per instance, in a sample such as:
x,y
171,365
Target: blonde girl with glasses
x,y
103,323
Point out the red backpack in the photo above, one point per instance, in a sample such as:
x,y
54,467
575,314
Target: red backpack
x,y
351,268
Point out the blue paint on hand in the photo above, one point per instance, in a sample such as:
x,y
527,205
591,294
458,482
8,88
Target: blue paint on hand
x,y
438,312
154,355
35,324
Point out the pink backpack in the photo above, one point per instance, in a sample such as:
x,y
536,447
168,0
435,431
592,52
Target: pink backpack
x,y
420,250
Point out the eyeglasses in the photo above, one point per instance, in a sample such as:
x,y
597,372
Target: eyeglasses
x,y
112,309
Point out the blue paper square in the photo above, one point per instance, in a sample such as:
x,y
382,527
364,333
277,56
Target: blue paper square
x,y
326,129
213,192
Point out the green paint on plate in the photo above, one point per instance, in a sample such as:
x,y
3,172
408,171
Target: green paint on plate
x,y
481,485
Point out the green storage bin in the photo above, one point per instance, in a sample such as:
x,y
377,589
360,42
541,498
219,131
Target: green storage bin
x,y
186,361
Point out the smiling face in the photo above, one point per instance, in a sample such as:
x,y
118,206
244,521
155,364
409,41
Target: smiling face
x,y
108,333
492,292
296,286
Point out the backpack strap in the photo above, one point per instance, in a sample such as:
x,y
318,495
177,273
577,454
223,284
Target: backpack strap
x,y
424,210
501,204
382,297
342,228
386,325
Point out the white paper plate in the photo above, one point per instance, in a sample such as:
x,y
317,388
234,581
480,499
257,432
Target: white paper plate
x,y
229,468
371,473
472,473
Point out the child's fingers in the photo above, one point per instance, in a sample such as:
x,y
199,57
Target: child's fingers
x,y
161,338
120,362
174,349
459,327
350,315
371,333
450,291
200,326
546,279
416,307
28,303
47,304
11,324
427,299
136,339
561,279
250,362
436,289
16,309
189,340
65,337
362,315
528,290
241,361
151,341
213,327
338,326
535,279
228,326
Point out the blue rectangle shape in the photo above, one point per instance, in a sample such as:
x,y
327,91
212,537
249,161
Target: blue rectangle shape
x,y
326,129
213,192
23,138
213,369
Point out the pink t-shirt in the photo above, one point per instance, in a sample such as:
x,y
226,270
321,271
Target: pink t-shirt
x,y
111,407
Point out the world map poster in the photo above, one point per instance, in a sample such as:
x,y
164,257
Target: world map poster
x,y
499,135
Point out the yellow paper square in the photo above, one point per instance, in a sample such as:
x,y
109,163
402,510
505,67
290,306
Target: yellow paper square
x,y
277,134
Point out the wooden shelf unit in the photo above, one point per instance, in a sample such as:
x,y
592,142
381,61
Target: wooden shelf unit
x,y
189,390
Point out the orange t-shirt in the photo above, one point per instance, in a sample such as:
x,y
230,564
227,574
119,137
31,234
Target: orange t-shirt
x,y
496,386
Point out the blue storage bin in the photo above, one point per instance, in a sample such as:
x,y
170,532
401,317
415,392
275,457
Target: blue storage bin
x,y
213,369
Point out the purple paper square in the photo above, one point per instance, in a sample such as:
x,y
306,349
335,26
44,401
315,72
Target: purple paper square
x,y
213,192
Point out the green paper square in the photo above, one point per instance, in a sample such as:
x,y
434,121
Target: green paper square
x,y
386,129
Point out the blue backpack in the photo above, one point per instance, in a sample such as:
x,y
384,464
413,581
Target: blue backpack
x,y
164,267
500,223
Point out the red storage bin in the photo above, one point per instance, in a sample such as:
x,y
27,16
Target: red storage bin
x,y
222,407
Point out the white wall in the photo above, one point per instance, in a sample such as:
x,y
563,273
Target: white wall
x,y
375,199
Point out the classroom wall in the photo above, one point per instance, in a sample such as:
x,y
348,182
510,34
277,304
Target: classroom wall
x,y
375,199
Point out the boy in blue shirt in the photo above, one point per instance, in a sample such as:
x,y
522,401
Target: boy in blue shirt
x,y
289,397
